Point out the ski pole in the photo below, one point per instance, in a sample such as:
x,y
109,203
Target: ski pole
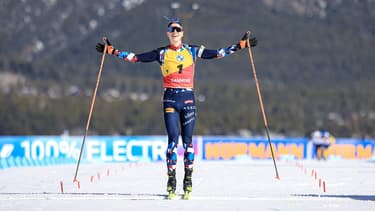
x,y
261,103
92,106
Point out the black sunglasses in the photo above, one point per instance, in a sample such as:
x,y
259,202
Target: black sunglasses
x,y
173,28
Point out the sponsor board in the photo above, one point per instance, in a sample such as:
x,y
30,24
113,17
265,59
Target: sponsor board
x,y
97,148
347,148
229,148
49,150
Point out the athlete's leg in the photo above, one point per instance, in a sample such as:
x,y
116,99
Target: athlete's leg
x,y
187,120
171,121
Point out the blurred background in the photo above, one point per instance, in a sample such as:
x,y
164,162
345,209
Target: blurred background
x,y
314,60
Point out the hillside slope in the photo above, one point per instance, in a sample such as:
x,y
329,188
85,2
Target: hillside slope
x,y
314,60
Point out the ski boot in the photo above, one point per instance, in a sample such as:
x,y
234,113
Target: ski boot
x,y
188,184
171,185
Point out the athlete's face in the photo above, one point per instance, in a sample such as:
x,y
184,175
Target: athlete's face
x,y
175,33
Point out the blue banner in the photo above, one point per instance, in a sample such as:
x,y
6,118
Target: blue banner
x,y
45,150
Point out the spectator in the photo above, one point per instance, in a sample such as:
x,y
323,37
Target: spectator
x,y
321,141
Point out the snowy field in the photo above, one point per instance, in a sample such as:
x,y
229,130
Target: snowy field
x,y
241,185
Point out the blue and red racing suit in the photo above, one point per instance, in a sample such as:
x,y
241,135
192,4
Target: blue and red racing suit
x,y
177,66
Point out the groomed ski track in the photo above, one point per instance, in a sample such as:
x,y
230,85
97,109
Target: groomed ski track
x,y
217,185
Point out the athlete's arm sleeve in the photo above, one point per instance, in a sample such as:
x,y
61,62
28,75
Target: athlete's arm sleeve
x,y
143,57
219,53
149,56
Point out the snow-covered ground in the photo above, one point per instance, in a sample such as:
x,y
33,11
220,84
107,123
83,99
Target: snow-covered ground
x,y
219,185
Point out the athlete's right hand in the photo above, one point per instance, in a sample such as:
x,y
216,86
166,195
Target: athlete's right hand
x,y
247,39
110,48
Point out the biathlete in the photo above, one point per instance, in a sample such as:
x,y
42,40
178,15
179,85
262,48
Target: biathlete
x,y
177,64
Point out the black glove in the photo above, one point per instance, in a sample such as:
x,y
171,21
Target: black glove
x,y
110,48
243,42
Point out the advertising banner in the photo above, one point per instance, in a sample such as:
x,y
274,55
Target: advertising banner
x,y
50,150
40,150
229,148
348,148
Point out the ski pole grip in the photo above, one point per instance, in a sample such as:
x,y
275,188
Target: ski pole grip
x,y
248,39
106,41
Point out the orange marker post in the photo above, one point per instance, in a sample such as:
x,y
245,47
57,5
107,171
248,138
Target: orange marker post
x,y
61,187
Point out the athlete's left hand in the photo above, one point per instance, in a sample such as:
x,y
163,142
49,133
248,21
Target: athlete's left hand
x,y
243,42
110,48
